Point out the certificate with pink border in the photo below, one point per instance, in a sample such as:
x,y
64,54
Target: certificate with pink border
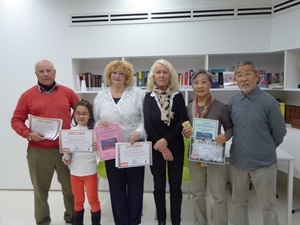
x,y
106,138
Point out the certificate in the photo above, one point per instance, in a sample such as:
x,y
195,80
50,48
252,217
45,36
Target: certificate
x,y
133,155
206,151
48,127
106,138
205,128
71,141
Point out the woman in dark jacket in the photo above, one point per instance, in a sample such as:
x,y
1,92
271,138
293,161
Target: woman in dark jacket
x,y
164,113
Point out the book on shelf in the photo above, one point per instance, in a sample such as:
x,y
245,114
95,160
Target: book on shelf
x,y
287,114
141,78
296,118
90,81
180,79
264,79
217,78
296,123
282,108
276,86
228,79
276,81
184,79
291,112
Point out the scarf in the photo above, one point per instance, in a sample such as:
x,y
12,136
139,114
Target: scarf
x,y
164,101
206,107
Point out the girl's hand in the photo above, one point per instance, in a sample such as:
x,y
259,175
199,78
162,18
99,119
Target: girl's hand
x,y
66,162
95,147
221,138
135,136
161,144
167,154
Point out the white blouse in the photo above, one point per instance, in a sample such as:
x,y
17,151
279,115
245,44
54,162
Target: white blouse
x,y
127,112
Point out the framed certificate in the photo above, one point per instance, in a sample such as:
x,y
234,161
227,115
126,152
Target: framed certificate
x,y
49,127
133,155
106,138
76,141
205,128
206,151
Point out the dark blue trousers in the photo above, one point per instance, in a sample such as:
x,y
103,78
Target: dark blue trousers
x,y
126,187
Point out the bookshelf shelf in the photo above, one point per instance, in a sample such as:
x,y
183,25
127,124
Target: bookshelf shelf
x,y
285,62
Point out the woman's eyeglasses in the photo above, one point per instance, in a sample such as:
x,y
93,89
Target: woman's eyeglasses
x,y
116,73
82,114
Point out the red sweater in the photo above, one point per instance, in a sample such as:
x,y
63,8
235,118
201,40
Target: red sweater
x,y
56,104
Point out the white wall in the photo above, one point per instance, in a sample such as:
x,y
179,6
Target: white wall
x,y
40,29
30,31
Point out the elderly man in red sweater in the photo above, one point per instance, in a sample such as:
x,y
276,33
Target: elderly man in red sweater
x,y
47,99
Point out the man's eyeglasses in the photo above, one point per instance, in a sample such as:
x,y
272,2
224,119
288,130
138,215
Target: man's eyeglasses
x,y
82,114
240,76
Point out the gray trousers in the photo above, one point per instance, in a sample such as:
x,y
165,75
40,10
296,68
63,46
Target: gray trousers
x,y
264,183
216,176
42,163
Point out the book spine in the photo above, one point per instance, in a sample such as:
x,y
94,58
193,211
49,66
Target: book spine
x,y
83,83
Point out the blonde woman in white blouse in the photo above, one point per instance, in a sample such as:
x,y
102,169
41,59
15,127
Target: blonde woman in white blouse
x,y
122,103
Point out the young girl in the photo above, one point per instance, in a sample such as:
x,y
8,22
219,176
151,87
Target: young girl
x,y
83,168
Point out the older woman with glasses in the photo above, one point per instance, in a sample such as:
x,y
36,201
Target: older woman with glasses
x,y
205,106
122,103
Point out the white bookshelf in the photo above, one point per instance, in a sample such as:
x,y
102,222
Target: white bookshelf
x,y
287,61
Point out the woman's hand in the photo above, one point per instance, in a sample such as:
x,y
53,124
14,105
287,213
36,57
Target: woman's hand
x,y
161,144
221,138
167,154
134,136
187,131
102,123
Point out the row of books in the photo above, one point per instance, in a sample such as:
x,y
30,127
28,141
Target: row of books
x,y
270,80
220,77
183,79
90,81
141,78
292,115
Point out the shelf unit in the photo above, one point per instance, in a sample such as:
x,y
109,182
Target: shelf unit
x,y
287,61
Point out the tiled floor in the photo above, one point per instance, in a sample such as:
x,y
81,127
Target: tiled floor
x,y
16,208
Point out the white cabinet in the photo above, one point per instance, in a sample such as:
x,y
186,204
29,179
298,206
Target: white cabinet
x,y
291,145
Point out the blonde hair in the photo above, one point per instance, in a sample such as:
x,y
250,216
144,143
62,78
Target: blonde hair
x,y
173,78
121,65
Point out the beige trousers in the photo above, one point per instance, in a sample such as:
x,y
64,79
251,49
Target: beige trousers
x,y
216,176
264,183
